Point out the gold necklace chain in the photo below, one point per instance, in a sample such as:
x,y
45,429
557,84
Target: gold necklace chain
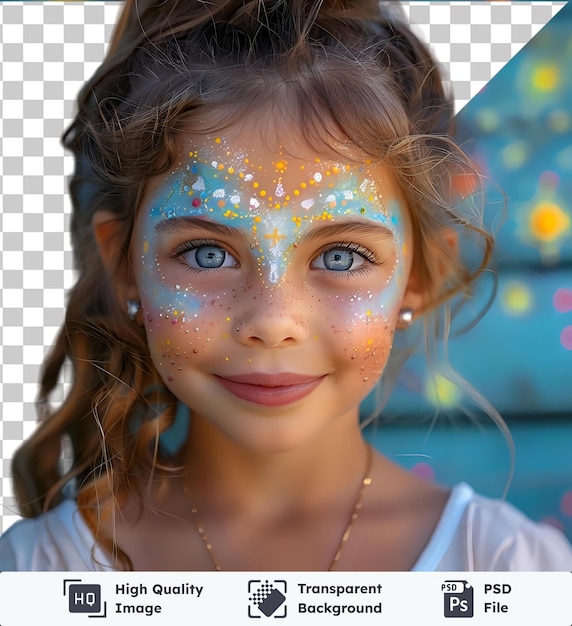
x,y
365,481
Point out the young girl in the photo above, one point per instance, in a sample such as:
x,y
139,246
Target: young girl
x,y
263,195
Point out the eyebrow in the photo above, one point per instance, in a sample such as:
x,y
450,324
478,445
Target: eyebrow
x,y
176,224
355,226
359,227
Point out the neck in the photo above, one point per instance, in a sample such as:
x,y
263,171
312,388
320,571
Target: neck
x,y
224,478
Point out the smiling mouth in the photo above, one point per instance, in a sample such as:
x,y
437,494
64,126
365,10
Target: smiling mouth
x,y
270,389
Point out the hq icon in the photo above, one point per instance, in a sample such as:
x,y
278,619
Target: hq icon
x,y
458,598
84,598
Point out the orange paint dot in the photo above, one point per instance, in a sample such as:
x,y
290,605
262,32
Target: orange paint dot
x,y
217,140
263,193
231,170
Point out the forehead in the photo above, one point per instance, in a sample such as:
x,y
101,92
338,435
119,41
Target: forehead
x,y
239,178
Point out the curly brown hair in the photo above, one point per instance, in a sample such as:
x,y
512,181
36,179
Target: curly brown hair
x,y
331,69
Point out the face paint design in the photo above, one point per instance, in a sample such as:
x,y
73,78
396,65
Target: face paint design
x,y
239,252
275,203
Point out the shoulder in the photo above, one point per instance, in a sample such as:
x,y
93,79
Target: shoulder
x,y
58,540
481,534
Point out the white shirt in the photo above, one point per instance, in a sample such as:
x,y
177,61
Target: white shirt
x,y
473,534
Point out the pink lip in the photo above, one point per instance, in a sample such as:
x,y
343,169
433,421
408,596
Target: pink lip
x,y
270,389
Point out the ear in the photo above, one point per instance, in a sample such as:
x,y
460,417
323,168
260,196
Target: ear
x,y
109,236
427,278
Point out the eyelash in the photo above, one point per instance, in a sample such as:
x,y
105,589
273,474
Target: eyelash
x,y
368,255
195,244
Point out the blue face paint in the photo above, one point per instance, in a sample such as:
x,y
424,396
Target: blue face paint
x,y
276,204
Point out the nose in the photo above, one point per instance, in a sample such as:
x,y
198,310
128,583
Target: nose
x,y
276,318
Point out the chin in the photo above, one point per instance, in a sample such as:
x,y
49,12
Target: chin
x,y
269,436
267,443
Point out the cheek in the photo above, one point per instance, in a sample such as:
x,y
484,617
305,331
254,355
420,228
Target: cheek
x,y
362,326
184,324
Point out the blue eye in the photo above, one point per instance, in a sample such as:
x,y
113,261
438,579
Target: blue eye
x,y
338,260
208,257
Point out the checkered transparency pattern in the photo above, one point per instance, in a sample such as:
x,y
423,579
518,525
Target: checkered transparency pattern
x,y
47,51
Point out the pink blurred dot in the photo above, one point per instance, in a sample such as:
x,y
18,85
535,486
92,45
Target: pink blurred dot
x,y
549,178
423,470
566,338
562,300
566,504
553,521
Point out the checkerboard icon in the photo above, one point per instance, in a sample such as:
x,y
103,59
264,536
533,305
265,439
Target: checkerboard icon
x,y
266,598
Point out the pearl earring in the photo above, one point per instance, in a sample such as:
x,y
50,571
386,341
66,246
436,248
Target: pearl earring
x,y
133,307
405,318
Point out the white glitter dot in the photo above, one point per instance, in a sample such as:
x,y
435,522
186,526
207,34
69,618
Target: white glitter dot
x,y
219,193
199,185
254,203
317,177
279,190
307,204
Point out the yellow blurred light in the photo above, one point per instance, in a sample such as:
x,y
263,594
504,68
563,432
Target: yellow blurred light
x,y
517,298
442,392
548,221
546,77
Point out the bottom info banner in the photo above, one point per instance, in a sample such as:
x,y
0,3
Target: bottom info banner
x,y
238,598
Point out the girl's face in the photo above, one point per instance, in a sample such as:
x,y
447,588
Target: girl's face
x,y
270,286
